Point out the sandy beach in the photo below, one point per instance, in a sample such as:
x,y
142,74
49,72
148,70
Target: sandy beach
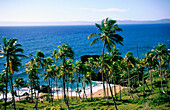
x,y
97,91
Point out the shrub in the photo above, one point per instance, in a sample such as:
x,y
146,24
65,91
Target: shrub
x,y
161,99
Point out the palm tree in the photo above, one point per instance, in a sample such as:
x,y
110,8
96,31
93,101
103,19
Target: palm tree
x,y
161,51
57,71
39,62
64,52
78,68
50,74
107,33
130,62
113,58
2,83
150,61
32,69
10,50
19,82
85,69
91,64
142,64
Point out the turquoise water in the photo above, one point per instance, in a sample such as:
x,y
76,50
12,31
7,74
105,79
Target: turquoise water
x,y
47,38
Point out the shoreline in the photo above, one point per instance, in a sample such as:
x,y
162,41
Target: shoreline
x,y
96,89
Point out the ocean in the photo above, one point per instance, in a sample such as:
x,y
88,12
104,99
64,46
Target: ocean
x,y
47,38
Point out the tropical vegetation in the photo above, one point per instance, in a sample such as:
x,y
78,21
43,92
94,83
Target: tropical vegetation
x,y
143,81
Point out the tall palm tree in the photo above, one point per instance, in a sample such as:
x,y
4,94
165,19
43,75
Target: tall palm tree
x,y
150,61
91,64
64,51
10,49
50,74
78,68
107,34
130,62
113,58
39,62
32,69
161,51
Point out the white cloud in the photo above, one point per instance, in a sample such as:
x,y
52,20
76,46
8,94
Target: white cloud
x,y
105,10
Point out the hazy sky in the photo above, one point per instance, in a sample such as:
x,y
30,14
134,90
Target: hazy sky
x,y
83,10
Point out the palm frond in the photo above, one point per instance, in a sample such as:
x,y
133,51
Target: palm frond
x,y
93,35
94,41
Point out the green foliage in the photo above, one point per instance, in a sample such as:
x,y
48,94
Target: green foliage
x,y
161,99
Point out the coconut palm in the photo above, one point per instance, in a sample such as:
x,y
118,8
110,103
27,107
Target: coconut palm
x,y
113,58
50,74
69,72
64,51
32,69
150,61
19,82
10,49
2,83
130,63
57,71
39,62
142,65
91,63
78,68
161,51
107,34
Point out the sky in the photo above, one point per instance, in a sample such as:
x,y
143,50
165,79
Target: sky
x,y
83,10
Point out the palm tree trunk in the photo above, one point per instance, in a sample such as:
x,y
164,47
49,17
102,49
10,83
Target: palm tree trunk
x,y
67,89
128,81
31,90
78,86
103,71
112,95
120,92
65,100
91,93
71,90
57,88
143,80
36,103
161,77
18,92
49,90
6,81
13,98
85,89
150,80
114,88
51,94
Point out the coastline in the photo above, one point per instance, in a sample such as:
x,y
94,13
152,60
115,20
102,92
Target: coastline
x,y
96,89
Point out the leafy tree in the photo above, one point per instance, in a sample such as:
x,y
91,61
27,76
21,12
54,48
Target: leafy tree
x,y
130,63
38,61
10,50
19,82
107,33
78,68
161,51
91,63
64,51
2,83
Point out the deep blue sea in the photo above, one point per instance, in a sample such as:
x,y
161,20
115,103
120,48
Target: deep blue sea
x,y
47,38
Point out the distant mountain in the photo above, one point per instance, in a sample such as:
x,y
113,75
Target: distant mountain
x,y
8,23
161,21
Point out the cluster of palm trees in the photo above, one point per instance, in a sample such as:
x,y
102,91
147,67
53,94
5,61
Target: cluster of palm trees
x,y
128,71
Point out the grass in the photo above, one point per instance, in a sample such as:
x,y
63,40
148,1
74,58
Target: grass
x,y
155,101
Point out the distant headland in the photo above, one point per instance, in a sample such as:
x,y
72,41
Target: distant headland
x,y
64,23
